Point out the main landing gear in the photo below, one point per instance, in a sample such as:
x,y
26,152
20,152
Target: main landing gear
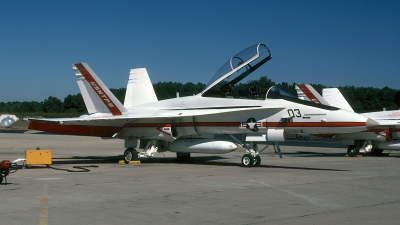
x,y
248,160
360,147
352,150
130,154
252,156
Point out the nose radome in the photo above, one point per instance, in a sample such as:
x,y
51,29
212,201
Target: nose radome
x,y
371,123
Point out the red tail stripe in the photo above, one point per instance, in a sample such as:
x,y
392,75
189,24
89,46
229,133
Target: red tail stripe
x,y
99,91
308,93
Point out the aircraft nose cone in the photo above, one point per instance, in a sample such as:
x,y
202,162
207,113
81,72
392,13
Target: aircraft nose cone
x,y
371,123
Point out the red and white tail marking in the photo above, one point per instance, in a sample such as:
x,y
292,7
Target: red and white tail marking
x,y
307,92
96,85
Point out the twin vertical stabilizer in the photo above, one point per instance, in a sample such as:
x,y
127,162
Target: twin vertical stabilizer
x,y
98,98
330,96
139,89
335,98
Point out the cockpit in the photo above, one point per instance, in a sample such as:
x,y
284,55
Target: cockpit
x,y
236,69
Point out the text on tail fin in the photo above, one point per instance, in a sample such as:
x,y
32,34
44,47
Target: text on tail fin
x,y
99,88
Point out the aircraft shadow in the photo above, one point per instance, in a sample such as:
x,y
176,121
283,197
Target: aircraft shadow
x,y
335,154
7,131
194,160
313,154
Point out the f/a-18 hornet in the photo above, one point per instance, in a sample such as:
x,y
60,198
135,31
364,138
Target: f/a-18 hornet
x,y
210,122
386,136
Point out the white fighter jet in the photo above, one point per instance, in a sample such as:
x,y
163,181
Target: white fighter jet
x,y
203,123
386,136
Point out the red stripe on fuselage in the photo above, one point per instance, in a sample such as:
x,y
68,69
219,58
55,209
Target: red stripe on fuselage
x,y
99,91
238,124
109,131
186,124
314,124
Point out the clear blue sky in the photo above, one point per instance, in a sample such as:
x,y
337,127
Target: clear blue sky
x,y
334,43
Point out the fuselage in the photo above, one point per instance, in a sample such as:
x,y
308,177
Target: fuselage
x,y
196,115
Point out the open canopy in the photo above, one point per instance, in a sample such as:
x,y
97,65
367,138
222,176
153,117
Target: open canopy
x,y
237,68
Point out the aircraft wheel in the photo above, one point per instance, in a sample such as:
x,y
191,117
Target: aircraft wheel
x,y
257,161
182,156
352,151
247,160
130,154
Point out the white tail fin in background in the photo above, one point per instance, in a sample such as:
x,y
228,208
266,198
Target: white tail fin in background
x,y
307,92
139,89
335,98
98,98
330,96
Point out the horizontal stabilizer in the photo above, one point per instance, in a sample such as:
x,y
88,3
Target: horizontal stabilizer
x,y
98,98
139,89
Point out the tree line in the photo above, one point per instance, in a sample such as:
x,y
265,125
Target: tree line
x,y
362,99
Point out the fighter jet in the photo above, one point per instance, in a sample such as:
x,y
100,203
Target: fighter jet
x,y
386,136
212,121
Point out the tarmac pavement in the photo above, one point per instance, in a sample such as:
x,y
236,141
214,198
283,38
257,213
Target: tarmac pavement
x,y
314,183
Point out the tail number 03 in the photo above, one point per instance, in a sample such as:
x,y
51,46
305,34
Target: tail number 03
x,y
294,113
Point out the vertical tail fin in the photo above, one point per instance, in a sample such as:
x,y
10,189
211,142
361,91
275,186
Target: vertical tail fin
x,y
307,92
139,89
330,96
98,98
335,98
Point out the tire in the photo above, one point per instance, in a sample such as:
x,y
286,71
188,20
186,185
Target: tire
x,y
247,160
1,179
130,154
257,161
352,151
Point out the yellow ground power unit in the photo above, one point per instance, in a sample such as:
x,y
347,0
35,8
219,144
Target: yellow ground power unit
x,y
38,157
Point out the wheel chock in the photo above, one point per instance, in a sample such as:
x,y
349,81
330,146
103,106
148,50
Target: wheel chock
x,y
130,162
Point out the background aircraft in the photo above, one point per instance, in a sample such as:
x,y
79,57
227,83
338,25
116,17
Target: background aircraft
x,y
7,120
211,122
386,136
